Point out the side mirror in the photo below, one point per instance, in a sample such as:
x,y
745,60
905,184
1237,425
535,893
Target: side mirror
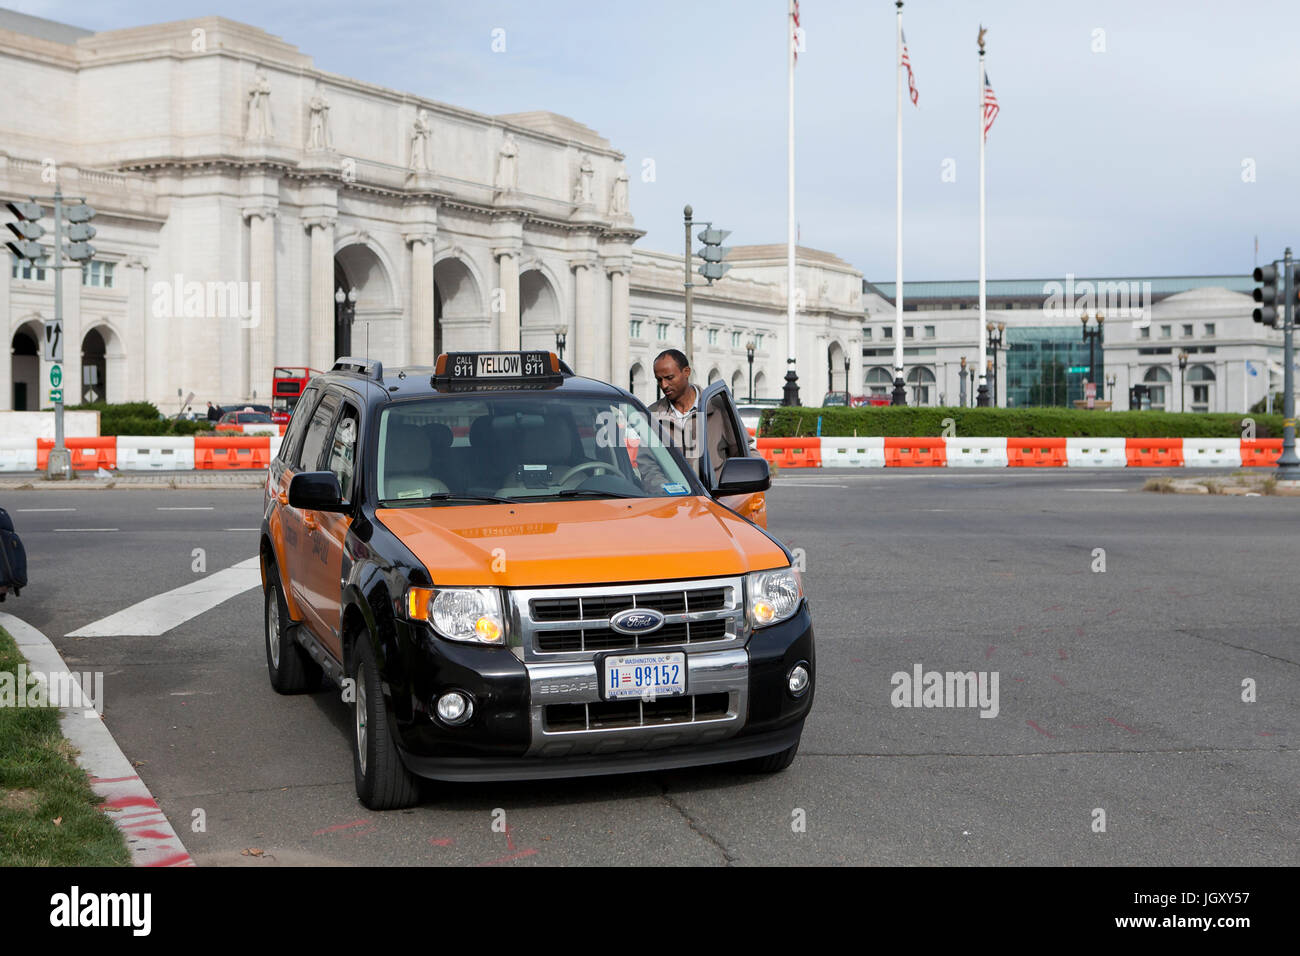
x,y
316,491
742,476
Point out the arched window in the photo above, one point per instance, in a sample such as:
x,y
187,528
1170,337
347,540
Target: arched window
x,y
879,380
920,378
1201,378
1153,375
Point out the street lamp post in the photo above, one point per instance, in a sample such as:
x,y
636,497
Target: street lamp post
x,y
1092,337
749,349
1182,381
961,383
995,343
560,335
848,391
1110,384
346,308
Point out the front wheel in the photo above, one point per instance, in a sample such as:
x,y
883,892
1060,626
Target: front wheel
x,y
382,780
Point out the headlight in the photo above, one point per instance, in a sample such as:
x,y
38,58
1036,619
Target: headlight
x,y
772,596
460,614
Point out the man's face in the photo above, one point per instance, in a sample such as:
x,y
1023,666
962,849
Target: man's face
x,y
672,379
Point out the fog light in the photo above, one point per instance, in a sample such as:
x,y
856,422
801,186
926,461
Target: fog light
x,y
798,679
455,707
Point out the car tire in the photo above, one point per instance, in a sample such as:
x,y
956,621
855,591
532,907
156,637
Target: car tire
x,y
291,669
773,763
382,780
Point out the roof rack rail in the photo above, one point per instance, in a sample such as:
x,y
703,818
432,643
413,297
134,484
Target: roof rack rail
x,y
366,368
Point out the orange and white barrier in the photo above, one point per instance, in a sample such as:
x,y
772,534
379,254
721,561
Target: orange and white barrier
x,y
156,452
976,452
853,452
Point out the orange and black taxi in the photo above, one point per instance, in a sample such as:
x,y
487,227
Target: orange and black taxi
x,y
511,575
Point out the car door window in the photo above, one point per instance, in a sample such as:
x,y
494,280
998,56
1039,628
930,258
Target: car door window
x,y
343,448
723,429
313,444
297,425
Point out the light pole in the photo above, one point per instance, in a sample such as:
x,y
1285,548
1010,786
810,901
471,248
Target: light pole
x,y
995,343
560,335
749,349
1092,337
1110,384
961,383
345,308
1182,381
847,391
690,286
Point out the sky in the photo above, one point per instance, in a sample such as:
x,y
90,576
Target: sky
x,y
1138,138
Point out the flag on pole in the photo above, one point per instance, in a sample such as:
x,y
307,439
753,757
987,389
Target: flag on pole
x,y
911,79
794,36
990,105
1251,369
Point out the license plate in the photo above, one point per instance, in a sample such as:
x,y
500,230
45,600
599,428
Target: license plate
x,y
645,675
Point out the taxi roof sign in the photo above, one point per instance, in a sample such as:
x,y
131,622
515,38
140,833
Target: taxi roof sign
x,y
497,366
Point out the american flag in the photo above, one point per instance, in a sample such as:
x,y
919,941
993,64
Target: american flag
x,y
911,80
990,105
794,35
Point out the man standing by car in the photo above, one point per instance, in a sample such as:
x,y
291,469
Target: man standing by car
x,y
214,413
675,414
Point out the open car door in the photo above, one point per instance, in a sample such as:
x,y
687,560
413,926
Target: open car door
x,y
727,438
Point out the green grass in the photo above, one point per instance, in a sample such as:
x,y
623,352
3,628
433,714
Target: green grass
x,y
40,782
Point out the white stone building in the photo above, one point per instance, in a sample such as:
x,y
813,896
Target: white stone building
x,y
240,189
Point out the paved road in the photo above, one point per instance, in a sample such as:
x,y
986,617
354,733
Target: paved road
x,y
1118,691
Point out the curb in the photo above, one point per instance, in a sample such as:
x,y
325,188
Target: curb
x,y
149,837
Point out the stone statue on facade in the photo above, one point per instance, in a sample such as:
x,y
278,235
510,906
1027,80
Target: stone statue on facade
x,y
259,107
507,178
582,185
618,196
420,136
318,134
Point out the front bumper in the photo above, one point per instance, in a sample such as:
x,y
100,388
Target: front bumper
x,y
510,737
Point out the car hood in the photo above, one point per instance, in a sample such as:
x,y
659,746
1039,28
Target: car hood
x,y
546,544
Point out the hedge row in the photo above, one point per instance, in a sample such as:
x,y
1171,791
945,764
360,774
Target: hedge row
x,y
907,421
138,418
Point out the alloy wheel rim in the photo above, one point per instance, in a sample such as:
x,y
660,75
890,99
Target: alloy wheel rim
x,y
273,629
360,708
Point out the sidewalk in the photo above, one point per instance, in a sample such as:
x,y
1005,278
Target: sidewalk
x,y
87,481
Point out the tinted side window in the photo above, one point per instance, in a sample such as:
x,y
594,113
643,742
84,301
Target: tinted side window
x,y
343,450
297,425
317,433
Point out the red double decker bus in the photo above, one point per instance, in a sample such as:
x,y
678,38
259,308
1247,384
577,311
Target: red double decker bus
x,y
287,384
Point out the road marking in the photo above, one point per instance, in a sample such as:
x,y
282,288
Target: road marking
x,y
33,510
162,612
805,484
85,529
203,508
1096,489
241,529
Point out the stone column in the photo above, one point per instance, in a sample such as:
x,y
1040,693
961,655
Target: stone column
x,y
507,299
261,301
584,314
6,310
320,323
620,314
138,358
421,331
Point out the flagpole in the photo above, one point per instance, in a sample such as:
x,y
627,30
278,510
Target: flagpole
x,y
791,396
900,390
982,399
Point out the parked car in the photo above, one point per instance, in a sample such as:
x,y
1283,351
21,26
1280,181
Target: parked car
x,y
235,421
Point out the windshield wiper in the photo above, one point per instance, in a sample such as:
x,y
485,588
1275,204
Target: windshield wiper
x,y
452,496
577,492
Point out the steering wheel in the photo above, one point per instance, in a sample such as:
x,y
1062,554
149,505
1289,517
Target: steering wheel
x,y
586,466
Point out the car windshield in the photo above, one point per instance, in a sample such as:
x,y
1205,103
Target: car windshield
x,y
254,418
465,451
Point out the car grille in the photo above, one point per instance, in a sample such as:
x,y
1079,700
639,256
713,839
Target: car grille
x,y
575,621
611,714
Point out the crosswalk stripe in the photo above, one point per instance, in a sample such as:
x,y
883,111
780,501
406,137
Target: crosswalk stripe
x,y
162,612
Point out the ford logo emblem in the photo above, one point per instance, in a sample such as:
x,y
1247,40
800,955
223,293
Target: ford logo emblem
x,y
637,620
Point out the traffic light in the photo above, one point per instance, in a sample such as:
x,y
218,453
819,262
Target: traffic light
x,y
713,253
79,232
1269,295
27,230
